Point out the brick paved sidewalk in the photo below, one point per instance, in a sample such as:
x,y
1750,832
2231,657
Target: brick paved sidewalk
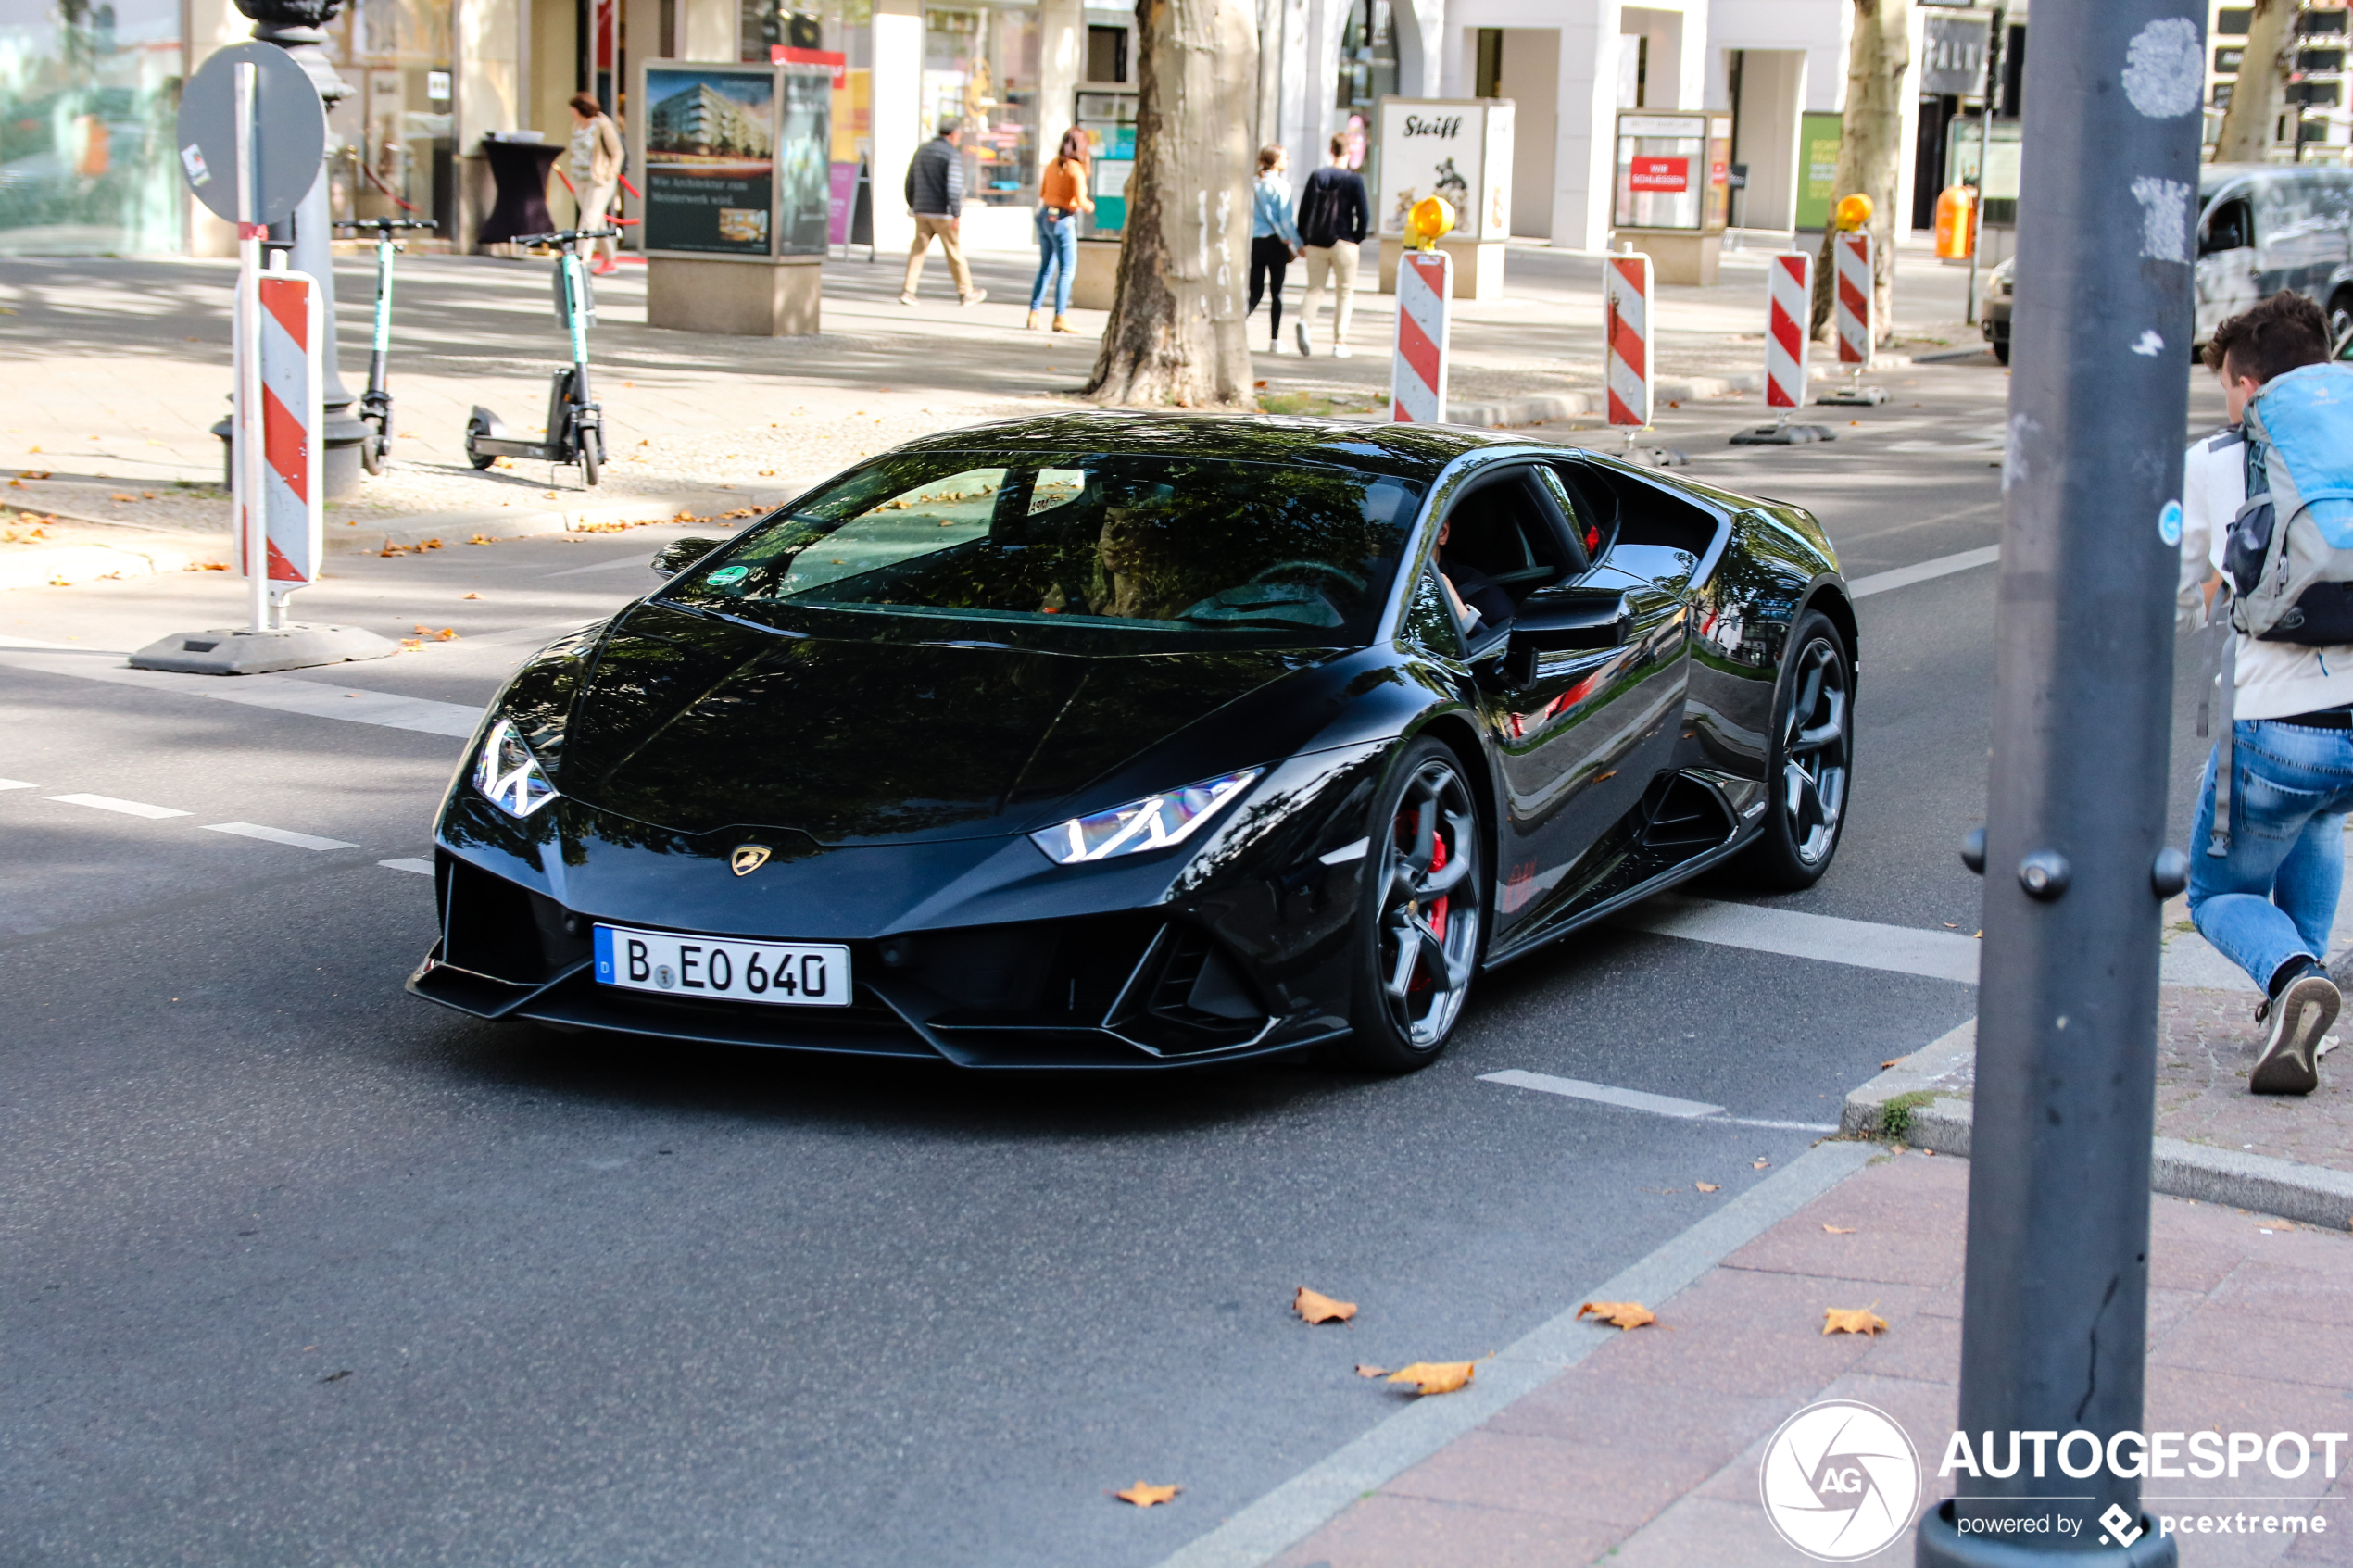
x,y
1645,1454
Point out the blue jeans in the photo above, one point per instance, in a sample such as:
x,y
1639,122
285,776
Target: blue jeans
x,y
2274,897
1057,260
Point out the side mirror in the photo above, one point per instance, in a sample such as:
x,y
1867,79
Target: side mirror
x,y
1564,621
677,556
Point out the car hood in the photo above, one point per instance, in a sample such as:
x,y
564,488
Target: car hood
x,y
695,724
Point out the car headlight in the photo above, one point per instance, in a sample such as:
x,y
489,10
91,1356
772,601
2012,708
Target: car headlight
x,y
509,775
1154,823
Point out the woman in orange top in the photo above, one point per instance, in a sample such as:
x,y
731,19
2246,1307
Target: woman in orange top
x,y
1061,196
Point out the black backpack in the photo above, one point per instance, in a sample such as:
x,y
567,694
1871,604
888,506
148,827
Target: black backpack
x,y
1319,211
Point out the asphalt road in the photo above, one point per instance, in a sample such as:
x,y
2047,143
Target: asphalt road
x,y
300,1270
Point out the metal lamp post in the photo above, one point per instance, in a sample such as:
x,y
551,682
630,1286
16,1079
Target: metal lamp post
x,y
2055,1305
298,28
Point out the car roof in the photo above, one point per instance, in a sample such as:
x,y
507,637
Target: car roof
x,y
1408,451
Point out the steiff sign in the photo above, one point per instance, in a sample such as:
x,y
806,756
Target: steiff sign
x,y
1458,148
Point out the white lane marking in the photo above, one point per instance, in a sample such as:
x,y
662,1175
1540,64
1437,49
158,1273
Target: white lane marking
x,y
1904,576
1938,955
1638,1099
422,867
109,803
314,698
1346,853
16,784
278,835
1577,1088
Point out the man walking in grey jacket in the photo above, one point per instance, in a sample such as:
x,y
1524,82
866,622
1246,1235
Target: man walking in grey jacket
x,y
935,198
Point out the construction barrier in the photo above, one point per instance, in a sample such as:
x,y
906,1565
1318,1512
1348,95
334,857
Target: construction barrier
x,y
1424,301
1785,329
1625,328
285,334
1853,305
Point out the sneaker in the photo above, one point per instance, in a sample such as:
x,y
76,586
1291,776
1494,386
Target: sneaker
x,y
906,299
1341,351
606,267
1298,330
1274,346
2300,1012
975,297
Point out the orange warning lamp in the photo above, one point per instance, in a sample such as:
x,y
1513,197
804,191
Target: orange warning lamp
x,y
1854,211
1430,218
1956,222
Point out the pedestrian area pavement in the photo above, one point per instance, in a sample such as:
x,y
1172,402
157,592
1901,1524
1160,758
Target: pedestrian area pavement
x,y
1646,1451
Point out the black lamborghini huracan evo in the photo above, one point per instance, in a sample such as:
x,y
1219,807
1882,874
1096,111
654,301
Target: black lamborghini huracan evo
x,y
1104,740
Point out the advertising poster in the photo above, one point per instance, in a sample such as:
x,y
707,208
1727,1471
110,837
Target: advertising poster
x,y
1817,138
804,175
1434,147
710,160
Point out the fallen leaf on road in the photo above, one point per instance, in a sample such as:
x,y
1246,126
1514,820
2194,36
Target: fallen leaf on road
x,y
336,1376
1708,1186
480,539
411,643
1625,1315
447,634
1364,1371
1316,1307
473,595
1434,1377
424,631
1840,1230
118,495
1891,1061
1851,1320
1143,1494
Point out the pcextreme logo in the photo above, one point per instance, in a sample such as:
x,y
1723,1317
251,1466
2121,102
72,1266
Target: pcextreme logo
x,y
1840,1480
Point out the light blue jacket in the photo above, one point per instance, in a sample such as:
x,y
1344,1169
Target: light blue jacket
x,y
1270,210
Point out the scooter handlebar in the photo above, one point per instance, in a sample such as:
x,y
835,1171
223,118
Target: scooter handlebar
x,y
563,235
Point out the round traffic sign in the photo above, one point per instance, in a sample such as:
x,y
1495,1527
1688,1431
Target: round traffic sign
x,y
289,133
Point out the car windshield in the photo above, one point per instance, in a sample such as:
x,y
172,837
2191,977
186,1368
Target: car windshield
x,y
1183,552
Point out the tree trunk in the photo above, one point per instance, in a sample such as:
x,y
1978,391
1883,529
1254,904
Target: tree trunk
x,y
1177,330
2254,100
1871,153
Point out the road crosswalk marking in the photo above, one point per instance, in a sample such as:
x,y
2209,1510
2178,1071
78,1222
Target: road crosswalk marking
x,y
109,803
282,693
16,784
1922,572
1641,1099
1936,955
422,867
278,835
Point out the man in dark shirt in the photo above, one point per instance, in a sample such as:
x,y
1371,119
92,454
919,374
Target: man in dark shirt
x,y
935,198
1333,215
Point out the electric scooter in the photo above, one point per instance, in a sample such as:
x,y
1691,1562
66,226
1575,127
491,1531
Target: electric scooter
x,y
375,404
575,422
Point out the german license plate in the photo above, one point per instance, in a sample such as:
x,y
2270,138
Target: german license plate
x,y
807,975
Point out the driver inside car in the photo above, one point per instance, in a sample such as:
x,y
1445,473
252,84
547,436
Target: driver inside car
x,y
1480,601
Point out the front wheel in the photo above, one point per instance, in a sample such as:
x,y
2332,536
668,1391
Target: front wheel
x,y
592,454
1419,922
1806,775
372,451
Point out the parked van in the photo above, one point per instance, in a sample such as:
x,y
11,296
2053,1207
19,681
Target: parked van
x,y
2262,228
2267,227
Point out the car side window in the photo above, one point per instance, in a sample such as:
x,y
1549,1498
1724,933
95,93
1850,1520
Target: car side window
x,y
2228,227
1429,620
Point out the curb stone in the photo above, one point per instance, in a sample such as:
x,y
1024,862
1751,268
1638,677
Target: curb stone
x,y
1922,1100
42,566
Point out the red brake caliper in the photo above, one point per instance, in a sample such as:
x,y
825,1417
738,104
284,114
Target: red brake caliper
x,y
1408,826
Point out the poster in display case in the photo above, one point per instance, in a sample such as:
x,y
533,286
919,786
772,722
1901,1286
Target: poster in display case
x,y
1108,121
711,158
804,142
1674,171
1457,148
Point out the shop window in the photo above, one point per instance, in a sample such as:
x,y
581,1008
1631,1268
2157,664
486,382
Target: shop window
x,y
390,140
89,95
1106,53
1367,57
980,66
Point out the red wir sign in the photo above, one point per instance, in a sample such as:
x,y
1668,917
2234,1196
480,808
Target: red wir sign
x,y
1659,174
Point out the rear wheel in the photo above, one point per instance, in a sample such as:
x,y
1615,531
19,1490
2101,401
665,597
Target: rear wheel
x,y
478,427
1419,924
2002,352
1813,749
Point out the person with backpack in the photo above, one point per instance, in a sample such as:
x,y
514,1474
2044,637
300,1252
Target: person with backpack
x,y
2267,543
1333,218
1274,239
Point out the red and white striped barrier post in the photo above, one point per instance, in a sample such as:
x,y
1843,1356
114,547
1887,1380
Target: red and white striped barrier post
x,y
1786,339
1626,329
1851,314
284,336
1424,301
1788,317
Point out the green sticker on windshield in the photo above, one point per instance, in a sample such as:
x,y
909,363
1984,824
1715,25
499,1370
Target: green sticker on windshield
x,y
728,575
